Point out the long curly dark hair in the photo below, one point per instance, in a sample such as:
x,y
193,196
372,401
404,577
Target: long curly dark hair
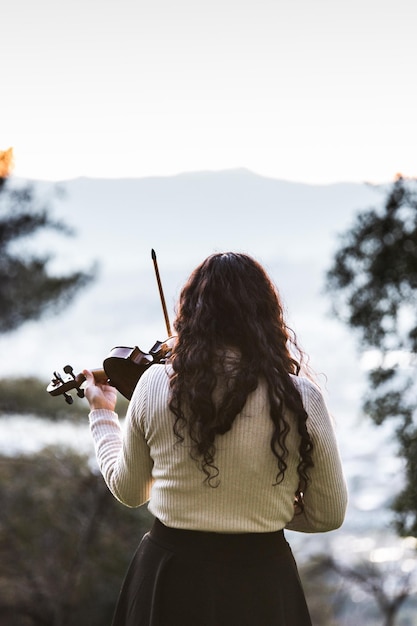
x,y
230,304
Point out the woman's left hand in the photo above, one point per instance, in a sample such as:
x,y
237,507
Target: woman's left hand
x,y
99,396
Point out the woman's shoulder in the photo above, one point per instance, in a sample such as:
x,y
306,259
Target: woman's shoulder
x,y
314,403
310,392
305,385
151,386
156,374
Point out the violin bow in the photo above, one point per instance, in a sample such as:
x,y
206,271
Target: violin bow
x,y
161,293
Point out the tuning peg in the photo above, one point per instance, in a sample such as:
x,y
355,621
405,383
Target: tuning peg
x,y
56,379
69,370
68,398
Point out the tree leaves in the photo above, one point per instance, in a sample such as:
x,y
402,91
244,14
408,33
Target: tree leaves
x,y
373,285
65,542
374,273
27,288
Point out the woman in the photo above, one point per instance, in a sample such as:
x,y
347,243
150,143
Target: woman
x,y
230,446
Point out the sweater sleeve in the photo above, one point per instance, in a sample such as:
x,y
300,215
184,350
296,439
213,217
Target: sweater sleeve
x,y
123,456
325,500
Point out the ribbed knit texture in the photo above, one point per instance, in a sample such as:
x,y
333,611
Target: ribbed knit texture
x,y
144,461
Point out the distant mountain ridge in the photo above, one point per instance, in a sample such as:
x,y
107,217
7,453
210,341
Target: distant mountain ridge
x,y
206,211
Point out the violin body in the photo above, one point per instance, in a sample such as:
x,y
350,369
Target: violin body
x,y
124,366
122,369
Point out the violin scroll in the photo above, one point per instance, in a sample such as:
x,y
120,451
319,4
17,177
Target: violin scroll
x,y
61,386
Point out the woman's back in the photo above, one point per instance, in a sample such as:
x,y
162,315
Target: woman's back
x,y
246,497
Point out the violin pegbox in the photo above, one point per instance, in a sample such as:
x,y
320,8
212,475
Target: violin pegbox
x,y
60,385
70,371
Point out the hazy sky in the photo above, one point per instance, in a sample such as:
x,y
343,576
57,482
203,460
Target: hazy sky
x,y
313,91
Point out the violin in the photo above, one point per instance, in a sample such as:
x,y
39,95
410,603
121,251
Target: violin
x,y
122,367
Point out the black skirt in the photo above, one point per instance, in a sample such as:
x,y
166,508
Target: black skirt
x,y
192,578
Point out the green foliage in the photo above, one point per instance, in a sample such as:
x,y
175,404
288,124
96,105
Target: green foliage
x,y
65,541
405,504
27,288
374,276
28,396
373,284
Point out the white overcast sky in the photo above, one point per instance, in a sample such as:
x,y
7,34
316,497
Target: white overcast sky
x,y
308,90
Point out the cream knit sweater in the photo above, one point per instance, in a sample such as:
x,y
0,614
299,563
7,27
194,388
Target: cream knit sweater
x,y
143,461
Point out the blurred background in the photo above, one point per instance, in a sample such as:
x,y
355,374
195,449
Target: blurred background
x,y
275,130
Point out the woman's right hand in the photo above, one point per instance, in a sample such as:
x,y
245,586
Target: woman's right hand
x,y
99,395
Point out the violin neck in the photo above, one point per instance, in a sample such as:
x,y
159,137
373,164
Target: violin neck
x,y
100,376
